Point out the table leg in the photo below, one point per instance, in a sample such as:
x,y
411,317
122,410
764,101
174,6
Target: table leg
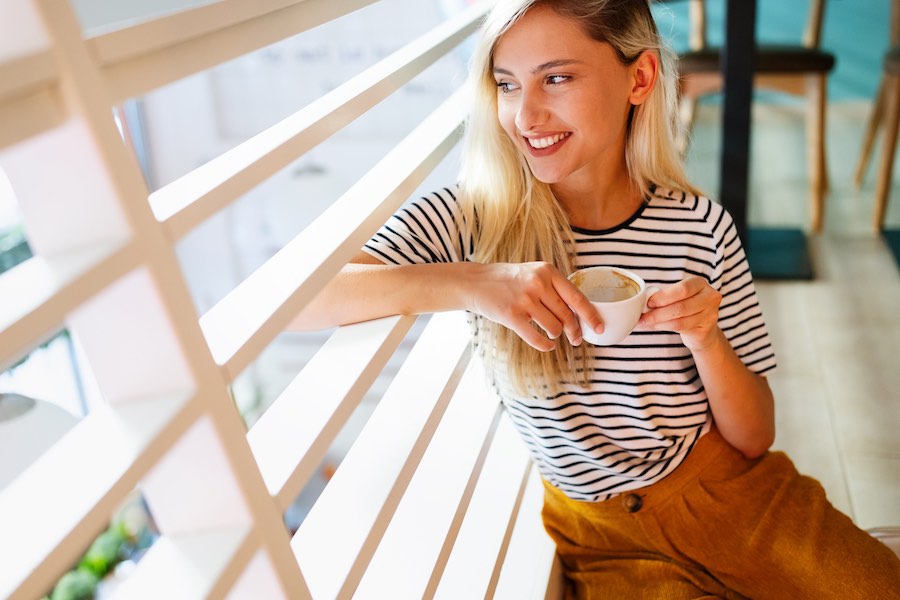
x,y
772,253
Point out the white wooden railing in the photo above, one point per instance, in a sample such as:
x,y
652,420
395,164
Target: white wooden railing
x,y
436,497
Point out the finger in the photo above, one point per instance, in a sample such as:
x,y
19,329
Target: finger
x,y
683,325
547,321
698,311
669,294
533,337
701,300
670,312
569,321
579,303
662,318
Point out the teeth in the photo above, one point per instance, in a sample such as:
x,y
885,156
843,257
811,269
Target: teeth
x,y
546,142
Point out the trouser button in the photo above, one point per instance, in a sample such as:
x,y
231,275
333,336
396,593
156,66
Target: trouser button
x,y
632,502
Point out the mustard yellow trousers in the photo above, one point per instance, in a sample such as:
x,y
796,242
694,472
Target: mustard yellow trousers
x,y
719,526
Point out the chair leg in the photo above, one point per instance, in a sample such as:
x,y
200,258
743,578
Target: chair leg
x,y
886,168
815,150
869,140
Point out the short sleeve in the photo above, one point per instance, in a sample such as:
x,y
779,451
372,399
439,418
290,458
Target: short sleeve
x,y
429,229
740,315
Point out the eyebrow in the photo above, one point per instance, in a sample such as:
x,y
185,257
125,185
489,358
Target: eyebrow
x,y
543,67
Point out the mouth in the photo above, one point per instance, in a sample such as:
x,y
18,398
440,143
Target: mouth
x,y
542,146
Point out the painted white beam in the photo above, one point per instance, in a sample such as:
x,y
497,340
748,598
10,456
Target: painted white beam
x,y
257,581
192,566
143,57
415,548
480,549
338,537
528,569
243,323
193,198
39,293
291,438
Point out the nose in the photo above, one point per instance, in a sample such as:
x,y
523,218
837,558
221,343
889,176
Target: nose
x,y
532,111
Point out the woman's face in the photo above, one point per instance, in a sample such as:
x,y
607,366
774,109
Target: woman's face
x,y
562,97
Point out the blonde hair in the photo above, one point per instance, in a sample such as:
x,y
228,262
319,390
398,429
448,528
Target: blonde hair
x,y
516,217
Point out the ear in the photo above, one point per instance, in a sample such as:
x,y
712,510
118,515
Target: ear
x,y
644,72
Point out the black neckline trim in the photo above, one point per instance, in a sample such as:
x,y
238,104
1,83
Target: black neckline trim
x,y
615,228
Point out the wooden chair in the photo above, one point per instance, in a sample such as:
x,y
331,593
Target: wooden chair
x,y
886,111
799,70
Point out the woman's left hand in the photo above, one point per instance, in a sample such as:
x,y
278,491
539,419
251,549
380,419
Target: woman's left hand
x,y
689,308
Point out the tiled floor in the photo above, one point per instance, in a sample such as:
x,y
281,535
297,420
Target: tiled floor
x,y
837,337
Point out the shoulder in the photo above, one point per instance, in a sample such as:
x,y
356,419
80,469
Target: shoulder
x,y
444,199
685,206
439,205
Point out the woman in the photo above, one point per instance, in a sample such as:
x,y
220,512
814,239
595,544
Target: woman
x,y
654,452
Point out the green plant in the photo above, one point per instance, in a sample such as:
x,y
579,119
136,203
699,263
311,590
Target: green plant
x,y
119,542
75,585
14,248
110,548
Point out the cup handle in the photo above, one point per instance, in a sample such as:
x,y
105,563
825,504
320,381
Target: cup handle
x,y
650,291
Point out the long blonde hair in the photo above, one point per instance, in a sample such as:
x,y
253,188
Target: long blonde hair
x,y
516,217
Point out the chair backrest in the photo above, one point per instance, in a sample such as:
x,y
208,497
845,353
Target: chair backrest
x,y
812,35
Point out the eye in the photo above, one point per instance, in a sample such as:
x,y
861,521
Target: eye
x,y
505,87
557,79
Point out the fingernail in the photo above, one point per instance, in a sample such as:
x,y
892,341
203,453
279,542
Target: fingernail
x,y
576,342
598,328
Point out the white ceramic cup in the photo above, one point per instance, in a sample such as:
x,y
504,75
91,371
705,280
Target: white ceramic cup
x,y
620,297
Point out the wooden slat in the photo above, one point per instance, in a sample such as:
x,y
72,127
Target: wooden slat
x,y
120,41
480,549
175,311
51,513
243,323
138,59
291,438
528,567
337,539
193,198
25,73
39,293
29,114
190,566
417,543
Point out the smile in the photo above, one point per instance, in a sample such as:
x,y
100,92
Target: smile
x,y
546,142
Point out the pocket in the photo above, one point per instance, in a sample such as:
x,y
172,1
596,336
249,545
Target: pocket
x,y
741,489
731,466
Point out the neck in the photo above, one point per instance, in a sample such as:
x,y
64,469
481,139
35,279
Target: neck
x,y
601,203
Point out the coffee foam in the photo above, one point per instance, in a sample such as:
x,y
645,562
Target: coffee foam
x,y
606,286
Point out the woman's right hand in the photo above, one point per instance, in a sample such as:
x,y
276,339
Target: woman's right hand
x,y
517,294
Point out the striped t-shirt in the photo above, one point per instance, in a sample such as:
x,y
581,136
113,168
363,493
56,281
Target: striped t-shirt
x,y
645,406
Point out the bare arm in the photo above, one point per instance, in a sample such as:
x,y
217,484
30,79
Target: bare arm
x,y
511,294
741,401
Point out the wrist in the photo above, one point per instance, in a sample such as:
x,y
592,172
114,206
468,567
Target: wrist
x,y
713,342
467,286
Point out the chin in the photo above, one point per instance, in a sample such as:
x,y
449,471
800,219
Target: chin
x,y
548,178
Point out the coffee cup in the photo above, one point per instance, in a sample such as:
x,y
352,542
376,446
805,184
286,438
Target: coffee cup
x,y
620,297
